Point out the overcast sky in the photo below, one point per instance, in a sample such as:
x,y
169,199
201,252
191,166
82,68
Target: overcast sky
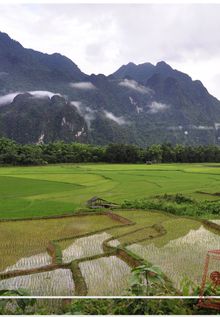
x,y
99,38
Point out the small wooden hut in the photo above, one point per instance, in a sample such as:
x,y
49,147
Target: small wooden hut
x,y
97,202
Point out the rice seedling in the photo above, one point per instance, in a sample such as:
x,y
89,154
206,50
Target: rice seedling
x,y
58,189
19,239
176,227
140,234
142,218
107,276
182,257
53,283
31,262
85,246
52,190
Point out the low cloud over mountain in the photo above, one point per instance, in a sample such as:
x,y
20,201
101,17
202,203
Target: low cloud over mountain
x,y
7,99
83,85
111,116
132,84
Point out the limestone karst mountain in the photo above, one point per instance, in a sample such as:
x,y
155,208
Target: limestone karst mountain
x,y
45,98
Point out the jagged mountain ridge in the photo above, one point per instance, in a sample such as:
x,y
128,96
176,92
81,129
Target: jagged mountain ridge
x,y
45,98
29,67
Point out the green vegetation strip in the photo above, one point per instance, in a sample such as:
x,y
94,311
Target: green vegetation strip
x,y
15,273
176,204
79,281
70,215
128,257
55,252
211,225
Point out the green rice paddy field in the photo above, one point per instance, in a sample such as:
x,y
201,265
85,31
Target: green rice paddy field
x,y
179,248
58,189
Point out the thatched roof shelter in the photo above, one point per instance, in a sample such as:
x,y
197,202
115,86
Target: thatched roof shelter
x,y
97,202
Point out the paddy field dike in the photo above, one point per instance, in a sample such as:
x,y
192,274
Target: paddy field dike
x,y
52,245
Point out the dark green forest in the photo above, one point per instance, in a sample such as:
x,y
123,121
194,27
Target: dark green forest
x,y
12,153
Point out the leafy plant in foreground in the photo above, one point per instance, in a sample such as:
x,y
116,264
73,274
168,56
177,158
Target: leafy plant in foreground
x,y
17,305
147,280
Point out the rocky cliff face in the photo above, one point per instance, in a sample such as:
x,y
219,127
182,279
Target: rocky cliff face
x,y
29,119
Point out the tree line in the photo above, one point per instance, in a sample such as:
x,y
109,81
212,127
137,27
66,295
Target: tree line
x,y
12,153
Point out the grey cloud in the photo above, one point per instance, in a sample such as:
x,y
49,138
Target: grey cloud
x,y
102,37
6,99
193,127
86,112
3,74
77,105
111,116
43,94
191,28
156,107
132,84
83,85
202,127
89,116
175,128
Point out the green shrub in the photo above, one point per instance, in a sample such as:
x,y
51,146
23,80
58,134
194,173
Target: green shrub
x,y
176,204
